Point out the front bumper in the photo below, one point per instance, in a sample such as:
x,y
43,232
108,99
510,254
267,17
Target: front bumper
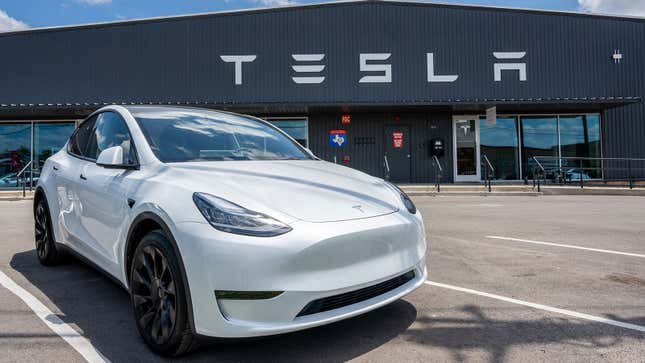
x,y
314,261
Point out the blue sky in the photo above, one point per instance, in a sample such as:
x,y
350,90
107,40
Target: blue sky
x,y
21,14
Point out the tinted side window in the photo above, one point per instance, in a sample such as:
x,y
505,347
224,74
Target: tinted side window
x,y
78,144
110,131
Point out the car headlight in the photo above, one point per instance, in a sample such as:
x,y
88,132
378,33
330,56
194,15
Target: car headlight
x,y
407,202
229,217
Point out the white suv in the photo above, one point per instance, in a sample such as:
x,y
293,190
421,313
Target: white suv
x,y
222,225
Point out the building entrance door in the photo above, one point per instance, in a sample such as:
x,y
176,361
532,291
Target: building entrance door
x,y
466,148
397,151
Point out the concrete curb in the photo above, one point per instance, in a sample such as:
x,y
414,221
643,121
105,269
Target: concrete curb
x,y
512,191
13,199
592,191
14,195
477,194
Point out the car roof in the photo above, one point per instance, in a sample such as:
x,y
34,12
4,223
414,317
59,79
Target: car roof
x,y
142,109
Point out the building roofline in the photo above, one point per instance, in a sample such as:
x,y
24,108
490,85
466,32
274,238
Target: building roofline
x,y
297,6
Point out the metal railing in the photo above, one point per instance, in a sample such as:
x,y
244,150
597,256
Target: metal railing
x,y
438,173
489,172
386,168
22,179
586,171
539,170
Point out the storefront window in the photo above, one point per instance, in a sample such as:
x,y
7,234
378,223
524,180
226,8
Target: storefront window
x,y
296,128
539,138
15,151
498,141
580,138
49,138
593,134
16,147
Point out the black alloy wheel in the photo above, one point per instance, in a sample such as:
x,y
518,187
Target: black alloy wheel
x,y
45,247
158,297
154,294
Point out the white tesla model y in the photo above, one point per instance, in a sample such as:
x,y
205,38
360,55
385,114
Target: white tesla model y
x,y
221,225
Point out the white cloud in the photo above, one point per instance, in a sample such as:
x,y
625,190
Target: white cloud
x,y
95,2
623,7
8,23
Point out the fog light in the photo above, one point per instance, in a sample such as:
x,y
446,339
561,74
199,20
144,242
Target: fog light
x,y
246,295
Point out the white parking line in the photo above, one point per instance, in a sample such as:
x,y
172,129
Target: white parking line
x,y
567,246
542,307
71,336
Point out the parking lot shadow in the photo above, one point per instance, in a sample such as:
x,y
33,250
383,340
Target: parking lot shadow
x,y
477,332
101,310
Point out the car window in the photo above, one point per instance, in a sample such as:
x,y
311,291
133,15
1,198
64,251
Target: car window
x,y
111,130
78,143
184,135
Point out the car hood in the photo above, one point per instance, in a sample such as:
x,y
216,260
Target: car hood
x,y
309,190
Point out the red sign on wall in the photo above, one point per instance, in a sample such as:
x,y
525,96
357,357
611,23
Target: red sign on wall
x,y
346,119
397,139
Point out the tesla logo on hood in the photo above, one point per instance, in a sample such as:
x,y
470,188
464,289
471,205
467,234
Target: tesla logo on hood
x,y
359,208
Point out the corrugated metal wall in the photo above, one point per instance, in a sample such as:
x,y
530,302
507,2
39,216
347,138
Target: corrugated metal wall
x,y
178,59
368,157
568,58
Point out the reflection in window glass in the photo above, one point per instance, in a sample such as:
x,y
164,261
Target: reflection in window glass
x,y
15,149
184,135
49,138
498,141
296,128
79,143
580,137
539,138
110,131
593,131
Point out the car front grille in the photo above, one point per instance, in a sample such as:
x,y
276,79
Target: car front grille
x,y
356,296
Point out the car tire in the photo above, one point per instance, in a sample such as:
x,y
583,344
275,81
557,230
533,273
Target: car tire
x,y
158,297
46,250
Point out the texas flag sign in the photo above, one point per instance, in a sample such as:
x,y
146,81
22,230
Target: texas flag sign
x,y
337,138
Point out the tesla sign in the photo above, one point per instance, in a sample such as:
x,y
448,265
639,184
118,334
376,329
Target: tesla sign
x,y
309,69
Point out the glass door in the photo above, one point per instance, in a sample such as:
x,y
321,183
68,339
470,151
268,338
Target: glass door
x,y
466,148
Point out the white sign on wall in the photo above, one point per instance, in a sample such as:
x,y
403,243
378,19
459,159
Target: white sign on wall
x,y
308,68
491,116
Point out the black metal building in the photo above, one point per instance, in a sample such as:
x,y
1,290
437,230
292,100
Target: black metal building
x,y
358,82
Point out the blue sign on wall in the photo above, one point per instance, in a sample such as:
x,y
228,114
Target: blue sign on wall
x,y
337,138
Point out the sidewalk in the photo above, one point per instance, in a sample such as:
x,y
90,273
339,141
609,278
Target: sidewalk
x,y
516,190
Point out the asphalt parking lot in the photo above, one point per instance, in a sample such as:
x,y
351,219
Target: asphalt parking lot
x,y
552,278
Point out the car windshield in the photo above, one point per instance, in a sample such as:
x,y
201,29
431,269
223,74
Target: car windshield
x,y
183,135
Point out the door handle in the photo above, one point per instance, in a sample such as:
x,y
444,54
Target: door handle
x,y
83,177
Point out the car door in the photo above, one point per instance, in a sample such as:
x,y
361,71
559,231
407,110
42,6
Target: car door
x,y
103,192
67,170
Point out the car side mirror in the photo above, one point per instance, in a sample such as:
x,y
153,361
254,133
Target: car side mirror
x,y
112,158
